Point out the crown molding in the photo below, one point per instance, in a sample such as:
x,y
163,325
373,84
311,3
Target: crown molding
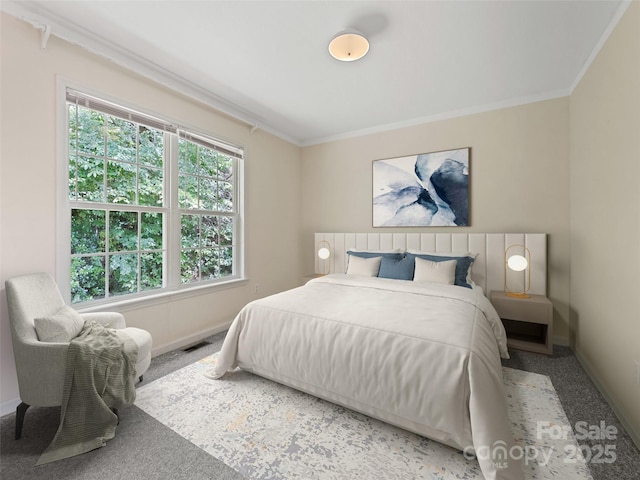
x,y
515,102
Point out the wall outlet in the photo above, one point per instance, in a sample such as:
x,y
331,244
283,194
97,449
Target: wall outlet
x,y
637,372
256,288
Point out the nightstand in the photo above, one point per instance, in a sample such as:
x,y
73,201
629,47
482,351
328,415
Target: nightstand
x,y
528,321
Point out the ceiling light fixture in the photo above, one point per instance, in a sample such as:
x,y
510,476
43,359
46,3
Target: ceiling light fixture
x,y
349,45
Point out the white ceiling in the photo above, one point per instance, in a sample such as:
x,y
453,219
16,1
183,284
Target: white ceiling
x,y
266,62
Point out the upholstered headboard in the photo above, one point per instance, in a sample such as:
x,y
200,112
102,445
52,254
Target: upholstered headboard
x,y
487,271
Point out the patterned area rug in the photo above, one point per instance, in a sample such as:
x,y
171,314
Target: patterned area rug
x,y
265,430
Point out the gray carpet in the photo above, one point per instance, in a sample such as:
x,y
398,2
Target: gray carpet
x,y
144,449
582,402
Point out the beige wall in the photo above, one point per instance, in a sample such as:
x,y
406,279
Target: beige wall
x,y
519,171
28,186
605,218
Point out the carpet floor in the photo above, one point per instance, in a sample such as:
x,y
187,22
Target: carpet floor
x,y
145,449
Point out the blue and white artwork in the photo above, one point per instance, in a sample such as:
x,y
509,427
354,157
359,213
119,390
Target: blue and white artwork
x,y
426,190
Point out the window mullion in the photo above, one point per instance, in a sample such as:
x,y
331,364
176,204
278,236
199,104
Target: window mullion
x,y
107,263
139,213
75,155
172,233
137,164
105,167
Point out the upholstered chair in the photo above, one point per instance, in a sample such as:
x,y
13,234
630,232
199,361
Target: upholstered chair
x,y
34,299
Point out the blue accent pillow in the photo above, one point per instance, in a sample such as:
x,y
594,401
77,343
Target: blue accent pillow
x,y
463,264
399,267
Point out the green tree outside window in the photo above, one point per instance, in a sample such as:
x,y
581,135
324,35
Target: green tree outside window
x,y
118,194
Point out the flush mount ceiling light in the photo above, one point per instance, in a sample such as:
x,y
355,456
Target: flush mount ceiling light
x,y
349,45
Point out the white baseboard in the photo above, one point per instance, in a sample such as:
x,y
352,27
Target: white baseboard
x,y
628,426
9,407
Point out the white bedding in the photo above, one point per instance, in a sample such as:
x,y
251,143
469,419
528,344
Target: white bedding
x,y
422,356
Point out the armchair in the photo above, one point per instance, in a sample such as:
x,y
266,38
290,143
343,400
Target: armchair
x,y
40,365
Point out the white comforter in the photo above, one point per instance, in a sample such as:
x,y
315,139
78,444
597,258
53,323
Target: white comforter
x,y
425,357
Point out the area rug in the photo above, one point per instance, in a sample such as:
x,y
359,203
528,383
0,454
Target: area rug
x,y
265,430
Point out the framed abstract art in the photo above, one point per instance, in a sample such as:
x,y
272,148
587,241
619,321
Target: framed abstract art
x,y
424,190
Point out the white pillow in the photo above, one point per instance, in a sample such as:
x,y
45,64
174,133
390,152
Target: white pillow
x,y
367,267
472,255
435,272
62,326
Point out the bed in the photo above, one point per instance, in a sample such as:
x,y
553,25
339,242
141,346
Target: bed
x,y
422,355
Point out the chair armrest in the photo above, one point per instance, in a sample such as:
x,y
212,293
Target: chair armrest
x,y
41,367
106,319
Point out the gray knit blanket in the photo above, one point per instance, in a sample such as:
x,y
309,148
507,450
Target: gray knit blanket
x,y
99,377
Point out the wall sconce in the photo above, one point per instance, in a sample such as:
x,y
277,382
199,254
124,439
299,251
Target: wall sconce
x,y
324,252
517,263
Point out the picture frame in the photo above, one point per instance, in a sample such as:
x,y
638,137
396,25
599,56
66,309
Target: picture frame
x,y
423,190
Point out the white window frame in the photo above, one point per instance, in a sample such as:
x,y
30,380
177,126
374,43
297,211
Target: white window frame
x,y
172,285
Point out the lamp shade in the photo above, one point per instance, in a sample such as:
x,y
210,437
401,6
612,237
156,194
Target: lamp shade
x,y
517,263
324,252
349,45
514,261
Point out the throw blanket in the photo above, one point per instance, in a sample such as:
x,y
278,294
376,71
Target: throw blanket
x,y
99,377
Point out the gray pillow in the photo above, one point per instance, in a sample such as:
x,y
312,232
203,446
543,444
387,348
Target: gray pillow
x,y
399,267
62,326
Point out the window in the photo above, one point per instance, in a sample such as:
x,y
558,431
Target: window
x,y
152,207
205,197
